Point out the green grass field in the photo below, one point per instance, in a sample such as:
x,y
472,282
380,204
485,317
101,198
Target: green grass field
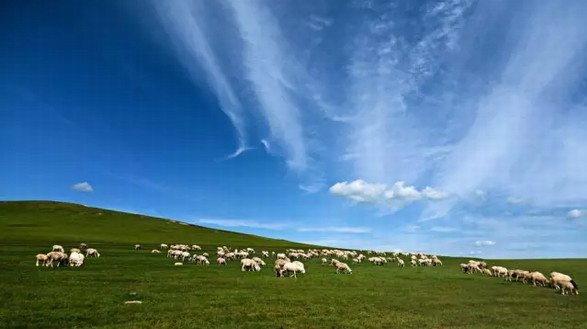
x,y
224,297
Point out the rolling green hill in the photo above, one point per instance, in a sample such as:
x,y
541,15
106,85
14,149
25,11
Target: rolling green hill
x,y
72,223
197,296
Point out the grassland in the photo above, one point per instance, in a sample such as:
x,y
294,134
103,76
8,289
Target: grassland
x,y
224,297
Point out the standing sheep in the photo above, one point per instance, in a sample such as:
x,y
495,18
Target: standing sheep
x,y
137,247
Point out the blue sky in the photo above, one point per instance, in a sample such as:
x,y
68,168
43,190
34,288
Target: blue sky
x,y
452,127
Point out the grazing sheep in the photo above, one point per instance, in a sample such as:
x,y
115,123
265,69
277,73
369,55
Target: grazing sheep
x,y
83,245
413,263
568,287
137,247
324,261
281,256
259,261
265,254
202,260
499,271
91,252
55,256
163,246
41,259
196,247
400,262
486,271
292,268
221,261
74,250
155,251
539,278
436,262
178,264
57,248
556,278
249,265
344,268
76,259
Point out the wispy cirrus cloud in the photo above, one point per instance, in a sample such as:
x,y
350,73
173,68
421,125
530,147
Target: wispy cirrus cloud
x,y
241,223
183,22
335,229
477,105
484,243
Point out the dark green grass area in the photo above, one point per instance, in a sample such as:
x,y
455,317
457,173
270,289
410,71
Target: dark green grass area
x,y
195,296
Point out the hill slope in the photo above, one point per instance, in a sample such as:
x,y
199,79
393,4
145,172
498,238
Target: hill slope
x,y
196,296
54,222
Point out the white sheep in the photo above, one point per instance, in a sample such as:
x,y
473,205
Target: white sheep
x,y
76,259
221,261
344,268
265,254
292,268
41,259
55,256
155,251
164,246
137,247
249,265
57,248
400,262
91,252
568,287
178,264
539,278
259,261
556,278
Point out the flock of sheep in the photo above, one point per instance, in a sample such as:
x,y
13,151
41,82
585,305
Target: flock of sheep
x,y
557,280
58,257
289,262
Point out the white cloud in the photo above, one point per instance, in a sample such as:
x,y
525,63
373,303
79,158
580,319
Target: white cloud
x,y
335,229
484,243
361,191
183,22
434,194
83,187
242,223
575,213
268,66
442,229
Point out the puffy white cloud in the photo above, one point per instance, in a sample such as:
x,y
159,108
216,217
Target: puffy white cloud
x,y
575,213
83,187
484,243
362,191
